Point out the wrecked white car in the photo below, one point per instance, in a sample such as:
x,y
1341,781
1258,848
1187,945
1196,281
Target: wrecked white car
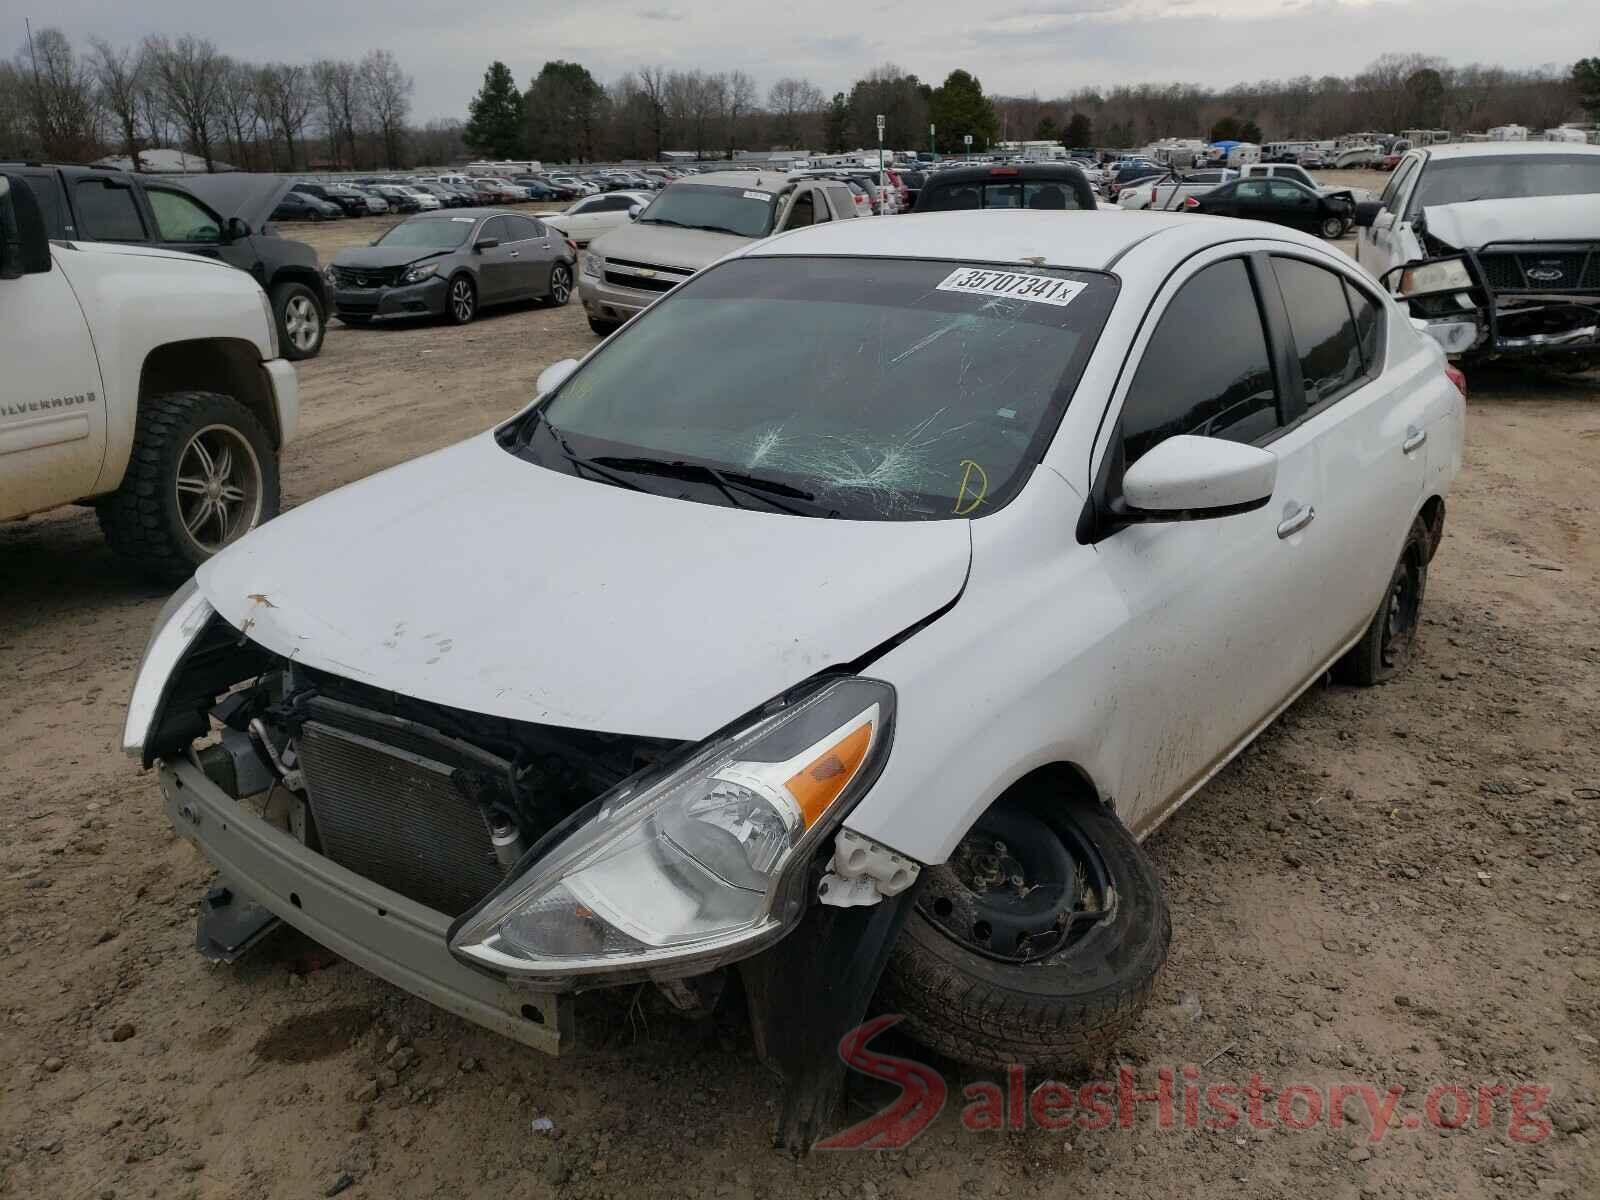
x,y
1496,246
854,662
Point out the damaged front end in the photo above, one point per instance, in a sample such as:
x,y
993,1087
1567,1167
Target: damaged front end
x,y
1507,299
495,866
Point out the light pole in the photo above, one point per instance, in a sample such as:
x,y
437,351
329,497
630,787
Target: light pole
x,y
933,149
966,139
882,190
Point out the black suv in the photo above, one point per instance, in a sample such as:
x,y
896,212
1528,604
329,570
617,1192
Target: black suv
x,y
1048,186
218,216
351,201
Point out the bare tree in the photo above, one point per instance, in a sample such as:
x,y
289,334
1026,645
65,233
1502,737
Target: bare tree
x,y
653,90
387,90
737,100
323,73
190,73
351,103
287,91
17,137
119,76
239,113
793,104
61,88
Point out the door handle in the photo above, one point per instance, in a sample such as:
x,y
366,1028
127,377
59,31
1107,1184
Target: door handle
x,y
516,254
1414,439
1293,524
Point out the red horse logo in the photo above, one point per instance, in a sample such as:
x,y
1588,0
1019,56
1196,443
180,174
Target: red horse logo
x,y
921,1099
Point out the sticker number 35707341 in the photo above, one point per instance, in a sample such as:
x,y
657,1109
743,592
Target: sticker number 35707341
x,y
1012,285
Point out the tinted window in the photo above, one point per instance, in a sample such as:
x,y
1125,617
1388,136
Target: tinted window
x,y
107,214
887,389
802,212
522,229
1369,326
48,193
1290,195
1325,335
615,203
1041,194
497,228
1397,185
1251,189
180,219
1205,370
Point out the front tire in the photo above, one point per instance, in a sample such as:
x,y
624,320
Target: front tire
x,y
603,328
560,285
302,324
461,301
1387,647
1332,228
202,473
1001,962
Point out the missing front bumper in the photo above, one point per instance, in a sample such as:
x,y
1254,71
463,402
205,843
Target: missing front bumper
x,y
379,930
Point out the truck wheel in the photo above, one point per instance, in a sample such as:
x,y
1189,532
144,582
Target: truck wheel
x,y
202,473
1039,942
1386,647
301,321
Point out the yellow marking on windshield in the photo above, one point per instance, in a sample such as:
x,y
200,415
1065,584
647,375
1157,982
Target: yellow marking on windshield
x,y
969,497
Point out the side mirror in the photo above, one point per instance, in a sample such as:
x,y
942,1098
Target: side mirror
x,y
634,211
1367,213
551,377
485,243
24,247
1190,478
235,230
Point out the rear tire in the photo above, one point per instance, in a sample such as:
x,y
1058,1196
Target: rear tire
x,y
1064,1009
1387,647
162,518
560,286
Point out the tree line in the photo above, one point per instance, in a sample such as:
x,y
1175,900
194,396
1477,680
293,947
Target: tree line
x,y
69,105
566,115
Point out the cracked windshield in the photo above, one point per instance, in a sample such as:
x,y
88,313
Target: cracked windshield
x,y
864,389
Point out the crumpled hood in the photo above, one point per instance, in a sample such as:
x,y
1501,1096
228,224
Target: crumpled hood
x,y
1475,223
475,579
663,245
373,257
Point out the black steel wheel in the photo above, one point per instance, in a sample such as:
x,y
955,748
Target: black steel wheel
x,y
1387,647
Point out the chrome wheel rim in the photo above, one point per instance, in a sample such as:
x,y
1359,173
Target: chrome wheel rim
x,y
301,322
218,487
461,300
560,285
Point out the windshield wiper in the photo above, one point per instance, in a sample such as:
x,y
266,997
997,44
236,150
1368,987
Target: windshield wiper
x,y
718,229
578,461
727,482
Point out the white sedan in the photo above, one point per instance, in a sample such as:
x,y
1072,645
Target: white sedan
x,y
968,549
586,219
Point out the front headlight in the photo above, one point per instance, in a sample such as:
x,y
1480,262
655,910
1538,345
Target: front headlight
x,y
1446,275
593,264
700,864
182,619
420,272
272,324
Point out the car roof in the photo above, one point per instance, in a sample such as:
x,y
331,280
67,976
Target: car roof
x,y
1022,170
755,181
446,214
1506,150
1086,240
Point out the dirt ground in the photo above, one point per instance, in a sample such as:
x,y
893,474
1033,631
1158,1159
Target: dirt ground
x,y
1399,887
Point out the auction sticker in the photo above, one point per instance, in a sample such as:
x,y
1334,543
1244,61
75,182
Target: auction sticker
x,y
1012,285
765,196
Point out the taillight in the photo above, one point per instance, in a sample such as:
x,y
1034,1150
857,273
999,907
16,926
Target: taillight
x,y
1004,171
1457,377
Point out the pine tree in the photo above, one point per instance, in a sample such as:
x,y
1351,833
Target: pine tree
x,y
494,121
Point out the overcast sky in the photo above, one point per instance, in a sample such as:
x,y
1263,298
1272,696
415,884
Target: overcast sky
x,y
1016,47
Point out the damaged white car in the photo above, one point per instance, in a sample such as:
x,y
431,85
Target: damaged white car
x,y
1496,246
854,662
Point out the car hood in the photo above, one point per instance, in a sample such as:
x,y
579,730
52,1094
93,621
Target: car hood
x,y
383,256
666,246
1475,223
251,198
475,579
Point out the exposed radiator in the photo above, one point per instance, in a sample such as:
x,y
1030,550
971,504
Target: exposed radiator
x,y
398,815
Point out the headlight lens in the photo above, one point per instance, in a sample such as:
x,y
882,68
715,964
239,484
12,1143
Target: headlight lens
x,y
593,264
420,272
1435,277
272,324
182,619
702,863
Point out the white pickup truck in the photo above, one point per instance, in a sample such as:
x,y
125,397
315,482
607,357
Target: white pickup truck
x,y
144,382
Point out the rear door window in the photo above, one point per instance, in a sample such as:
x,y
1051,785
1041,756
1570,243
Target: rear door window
x,y
107,213
1206,369
180,219
1326,339
522,229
